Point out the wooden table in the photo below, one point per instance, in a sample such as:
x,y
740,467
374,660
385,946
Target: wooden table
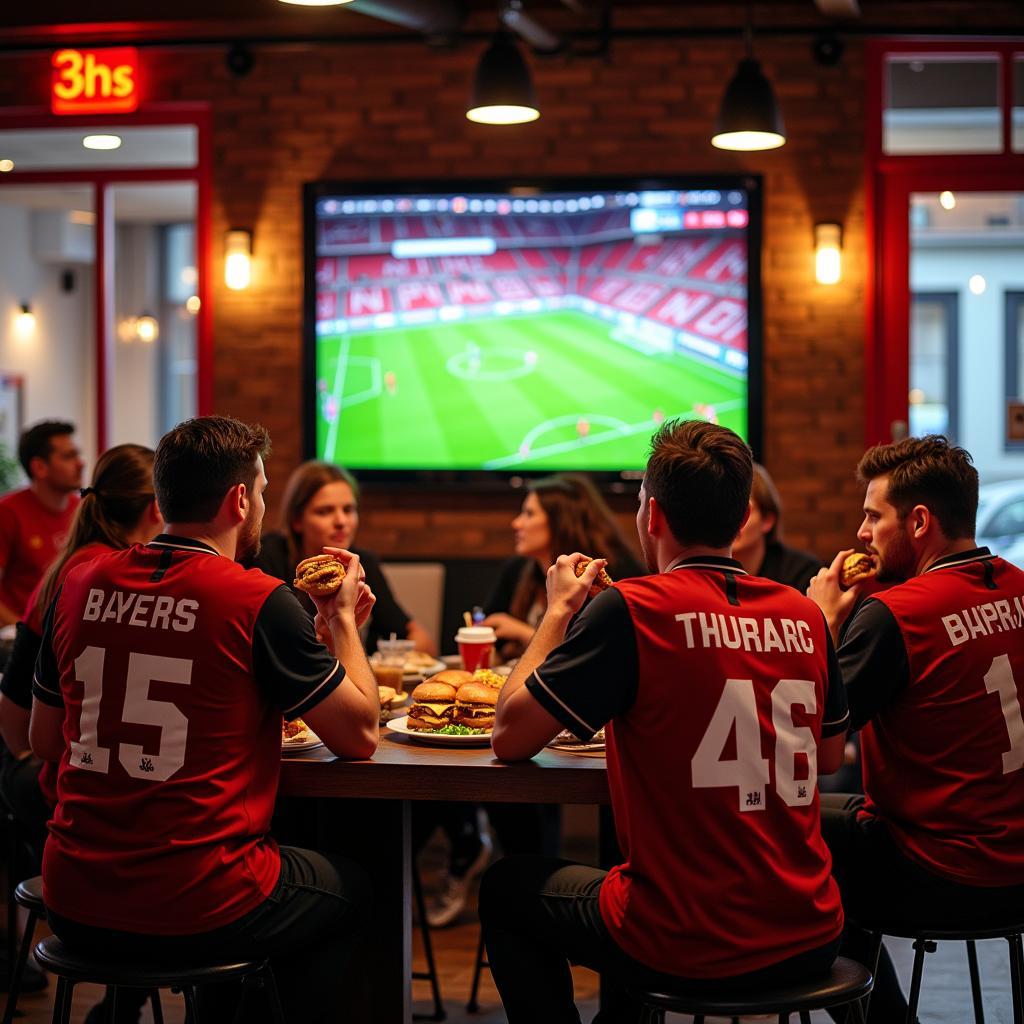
x,y
372,826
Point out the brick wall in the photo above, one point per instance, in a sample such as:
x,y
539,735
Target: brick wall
x,y
396,110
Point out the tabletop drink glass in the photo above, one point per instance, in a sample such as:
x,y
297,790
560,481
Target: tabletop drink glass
x,y
389,666
476,644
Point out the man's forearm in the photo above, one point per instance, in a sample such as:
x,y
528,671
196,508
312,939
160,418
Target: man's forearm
x,y
348,649
548,636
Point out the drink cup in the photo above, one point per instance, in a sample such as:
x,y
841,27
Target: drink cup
x,y
476,644
389,664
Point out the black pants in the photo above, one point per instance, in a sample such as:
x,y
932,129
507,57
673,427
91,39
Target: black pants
x,y
879,883
540,914
19,789
308,927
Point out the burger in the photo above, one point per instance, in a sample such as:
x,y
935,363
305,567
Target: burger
x,y
856,567
476,705
320,575
433,706
454,677
602,581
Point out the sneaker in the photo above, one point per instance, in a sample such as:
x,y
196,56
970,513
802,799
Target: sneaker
x,y
447,904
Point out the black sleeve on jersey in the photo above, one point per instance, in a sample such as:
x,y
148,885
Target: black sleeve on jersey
x,y
873,660
290,665
836,717
16,684
46,681
593,675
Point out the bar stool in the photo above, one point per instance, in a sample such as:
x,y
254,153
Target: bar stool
x,y
846,984
27,894
925,940
481,962
72,968
430,974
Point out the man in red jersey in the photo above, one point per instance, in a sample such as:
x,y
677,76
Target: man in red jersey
x,y
35,520
934,672
722,701
168,667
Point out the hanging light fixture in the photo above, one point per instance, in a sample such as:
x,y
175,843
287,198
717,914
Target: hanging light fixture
x,y
502,89
749,118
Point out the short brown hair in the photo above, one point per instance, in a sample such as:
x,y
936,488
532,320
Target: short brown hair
x,y
200,460
927,471
302,485
37,441
765,495
700,474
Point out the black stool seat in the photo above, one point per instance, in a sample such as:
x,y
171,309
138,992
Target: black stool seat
x,y
904,930
846,982
55,957
29,894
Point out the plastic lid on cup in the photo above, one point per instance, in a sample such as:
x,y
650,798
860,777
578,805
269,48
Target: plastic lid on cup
x,y
476,635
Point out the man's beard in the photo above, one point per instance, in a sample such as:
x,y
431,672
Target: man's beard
x,y
898,563
250,539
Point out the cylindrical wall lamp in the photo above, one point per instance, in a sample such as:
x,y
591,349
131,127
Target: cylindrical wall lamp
x,y
238,259
828,249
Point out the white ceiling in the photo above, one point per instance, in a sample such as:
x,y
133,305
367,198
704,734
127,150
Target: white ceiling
x,y
61,149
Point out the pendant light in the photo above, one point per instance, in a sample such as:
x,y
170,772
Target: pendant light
x,y
749,118
502,89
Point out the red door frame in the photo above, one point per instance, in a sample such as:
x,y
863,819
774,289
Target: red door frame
x,y
201,175
889,182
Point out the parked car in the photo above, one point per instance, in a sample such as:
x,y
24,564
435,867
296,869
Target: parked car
x,y
1001,519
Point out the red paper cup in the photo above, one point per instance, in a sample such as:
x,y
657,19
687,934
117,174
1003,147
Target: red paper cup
x,y
475,645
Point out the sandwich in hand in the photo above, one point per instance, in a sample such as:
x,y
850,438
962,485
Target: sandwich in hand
x,y
433,706
602,582
476,705
856,567
320,575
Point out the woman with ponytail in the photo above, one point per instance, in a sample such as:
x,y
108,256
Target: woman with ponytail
x,y
117,509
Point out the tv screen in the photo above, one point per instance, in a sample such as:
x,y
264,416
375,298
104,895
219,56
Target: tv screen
x,y
519,330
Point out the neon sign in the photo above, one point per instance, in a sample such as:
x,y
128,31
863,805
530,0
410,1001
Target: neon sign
x,y
95,81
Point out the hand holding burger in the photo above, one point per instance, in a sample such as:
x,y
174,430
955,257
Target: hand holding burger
x,y
602,582
856,568
567,589
335,581
828,591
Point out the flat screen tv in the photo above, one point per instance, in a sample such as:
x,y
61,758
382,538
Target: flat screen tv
x,y
482,329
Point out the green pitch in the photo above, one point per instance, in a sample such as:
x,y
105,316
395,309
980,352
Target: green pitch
x,y
542,391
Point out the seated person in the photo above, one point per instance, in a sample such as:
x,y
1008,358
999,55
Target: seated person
x,y
759,548
563,512
700,674
117,509
320,507
159,844
934,672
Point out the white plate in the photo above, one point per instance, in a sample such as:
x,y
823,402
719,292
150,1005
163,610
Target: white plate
x,y
416,670
298,746
436,739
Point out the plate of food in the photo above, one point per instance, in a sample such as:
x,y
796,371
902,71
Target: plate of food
x,y
417,663
452,712
296,736
571,744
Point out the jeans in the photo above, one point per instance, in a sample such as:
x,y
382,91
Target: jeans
x,y
540,914
879,883
308,927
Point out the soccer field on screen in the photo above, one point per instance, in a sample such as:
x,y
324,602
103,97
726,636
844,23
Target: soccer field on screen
x,y
544,391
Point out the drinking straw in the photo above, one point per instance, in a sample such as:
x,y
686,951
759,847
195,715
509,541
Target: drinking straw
x,y
468,619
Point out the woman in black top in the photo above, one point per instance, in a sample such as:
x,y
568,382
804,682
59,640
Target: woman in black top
x,y
560,514
321,507
759,548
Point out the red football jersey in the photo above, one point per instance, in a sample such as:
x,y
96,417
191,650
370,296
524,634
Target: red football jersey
x,y
33,618
31,536
166,793
944,764
713,773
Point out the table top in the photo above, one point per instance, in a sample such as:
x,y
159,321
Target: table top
x,y
404,770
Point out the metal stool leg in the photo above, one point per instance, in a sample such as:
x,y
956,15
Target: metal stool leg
x,y
1017,976
428,951
13,852
972,966
191,1015
805,1017
18,972
921,946
269,982
481,962
62,1002
158,1010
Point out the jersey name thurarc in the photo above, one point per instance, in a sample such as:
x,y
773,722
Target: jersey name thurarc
x,y
764,635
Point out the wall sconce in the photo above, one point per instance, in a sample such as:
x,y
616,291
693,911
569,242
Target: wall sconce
x,y
828,249
238,259
147,329
25,322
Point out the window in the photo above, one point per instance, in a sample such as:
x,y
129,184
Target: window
x,y
1014,355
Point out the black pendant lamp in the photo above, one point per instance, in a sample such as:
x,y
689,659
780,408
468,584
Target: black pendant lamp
x,y
503,88
749,118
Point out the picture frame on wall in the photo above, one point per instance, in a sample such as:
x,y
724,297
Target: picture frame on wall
x,y
12,388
